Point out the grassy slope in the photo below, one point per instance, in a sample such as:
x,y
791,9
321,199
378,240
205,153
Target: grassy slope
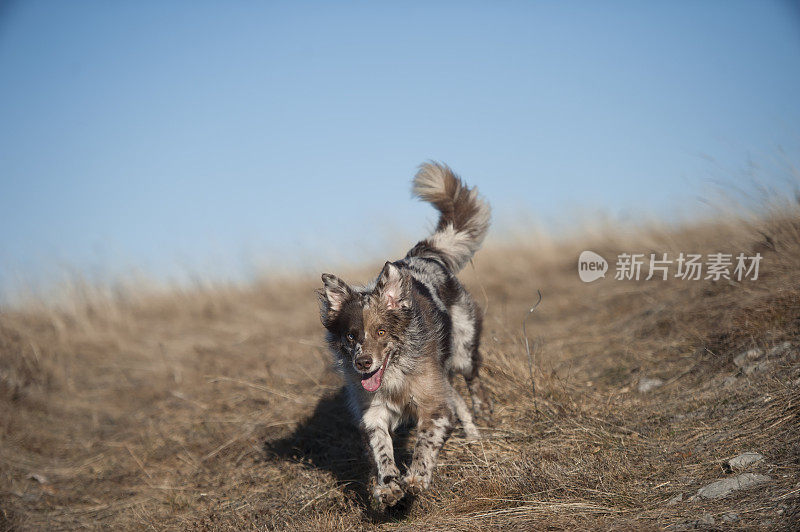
x,y
216,408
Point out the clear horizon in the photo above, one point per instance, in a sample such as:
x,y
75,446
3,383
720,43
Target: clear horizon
x,y
182,139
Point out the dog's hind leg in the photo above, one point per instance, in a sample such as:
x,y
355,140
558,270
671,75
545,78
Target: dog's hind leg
x,y
482,404
462,412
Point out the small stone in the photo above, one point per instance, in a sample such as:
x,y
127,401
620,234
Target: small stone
x,y
675,500
751,354
41,479
730,517
723,488
780,350
646,384
757,367
706,519
743,461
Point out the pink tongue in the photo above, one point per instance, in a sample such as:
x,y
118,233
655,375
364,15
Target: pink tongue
x,y
374,381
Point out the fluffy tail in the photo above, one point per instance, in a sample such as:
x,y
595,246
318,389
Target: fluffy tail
x,y
463,221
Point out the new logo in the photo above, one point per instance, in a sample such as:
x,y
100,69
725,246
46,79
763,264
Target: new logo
x,y
591,266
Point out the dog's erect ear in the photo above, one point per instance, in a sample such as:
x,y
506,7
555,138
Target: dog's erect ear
x,y
392,287
333,295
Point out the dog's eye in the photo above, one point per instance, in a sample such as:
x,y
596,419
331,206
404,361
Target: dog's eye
x,y
350,337
381,332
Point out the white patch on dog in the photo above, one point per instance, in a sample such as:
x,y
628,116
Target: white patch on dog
x,y
463,331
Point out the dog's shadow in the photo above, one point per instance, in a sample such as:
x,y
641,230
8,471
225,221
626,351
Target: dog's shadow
x,y
329,441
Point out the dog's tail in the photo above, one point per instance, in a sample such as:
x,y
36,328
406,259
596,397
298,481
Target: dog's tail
x,y
463,221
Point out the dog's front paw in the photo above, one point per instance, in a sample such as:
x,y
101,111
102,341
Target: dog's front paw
x,y
389,493
414,483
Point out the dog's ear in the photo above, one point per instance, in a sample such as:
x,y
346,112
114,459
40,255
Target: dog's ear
x,y
332,295
393,287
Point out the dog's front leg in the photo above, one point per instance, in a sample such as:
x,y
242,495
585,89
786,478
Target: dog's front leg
x,y
432,432
375,427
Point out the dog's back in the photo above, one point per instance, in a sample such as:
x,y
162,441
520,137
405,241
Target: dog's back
x,y
434,262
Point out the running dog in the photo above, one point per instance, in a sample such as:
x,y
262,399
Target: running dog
x,y
399,341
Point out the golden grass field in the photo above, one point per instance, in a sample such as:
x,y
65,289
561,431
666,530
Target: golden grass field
x,y
216,408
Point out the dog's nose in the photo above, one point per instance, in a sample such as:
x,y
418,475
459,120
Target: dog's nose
x,y
363,363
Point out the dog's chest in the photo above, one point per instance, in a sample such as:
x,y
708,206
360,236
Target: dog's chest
x,y
403,410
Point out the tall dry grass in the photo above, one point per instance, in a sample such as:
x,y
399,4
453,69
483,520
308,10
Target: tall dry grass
x,y
216,408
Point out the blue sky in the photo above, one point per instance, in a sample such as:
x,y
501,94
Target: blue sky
x,y
218,138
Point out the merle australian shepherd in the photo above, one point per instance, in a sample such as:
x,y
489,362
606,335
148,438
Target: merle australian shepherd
x,y
399,341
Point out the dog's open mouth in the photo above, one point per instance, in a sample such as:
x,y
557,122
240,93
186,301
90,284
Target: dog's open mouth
x,y
372,381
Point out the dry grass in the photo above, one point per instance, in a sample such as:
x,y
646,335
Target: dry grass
x,y
216,408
